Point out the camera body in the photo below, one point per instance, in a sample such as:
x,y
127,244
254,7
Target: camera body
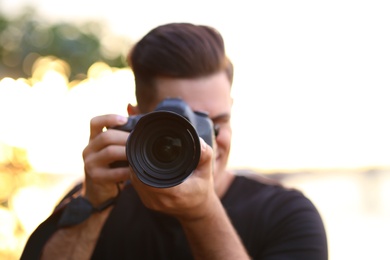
x,y
163,147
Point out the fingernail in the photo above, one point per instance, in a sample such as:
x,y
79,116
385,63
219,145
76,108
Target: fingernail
x,y
122,119
202,143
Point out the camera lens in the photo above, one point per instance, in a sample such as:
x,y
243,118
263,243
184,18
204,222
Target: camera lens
x,y
163,149
166,149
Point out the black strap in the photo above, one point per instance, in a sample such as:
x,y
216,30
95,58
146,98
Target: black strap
x,y
80,209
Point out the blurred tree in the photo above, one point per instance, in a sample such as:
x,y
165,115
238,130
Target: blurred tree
x,y
27,36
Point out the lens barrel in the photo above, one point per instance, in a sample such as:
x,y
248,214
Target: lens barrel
x,y
163,149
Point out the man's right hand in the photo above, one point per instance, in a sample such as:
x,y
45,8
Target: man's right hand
x,y
104,148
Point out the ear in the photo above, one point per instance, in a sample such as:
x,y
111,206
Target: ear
x,y
132,110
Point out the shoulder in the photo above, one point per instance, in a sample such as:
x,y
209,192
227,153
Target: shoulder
x,y
267,213
267,200
252,185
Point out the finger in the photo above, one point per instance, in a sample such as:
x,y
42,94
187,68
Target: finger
x,y
107,176
206,152
104,139
104,157
206,157
98,123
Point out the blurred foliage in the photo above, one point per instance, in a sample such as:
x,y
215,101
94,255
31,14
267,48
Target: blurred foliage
x,y
27,36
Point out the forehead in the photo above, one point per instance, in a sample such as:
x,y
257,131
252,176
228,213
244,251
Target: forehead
x,y
209,94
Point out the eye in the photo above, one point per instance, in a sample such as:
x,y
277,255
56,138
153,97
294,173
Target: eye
x,y
217,127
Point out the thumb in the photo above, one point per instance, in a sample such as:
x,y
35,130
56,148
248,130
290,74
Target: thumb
x,y
206,156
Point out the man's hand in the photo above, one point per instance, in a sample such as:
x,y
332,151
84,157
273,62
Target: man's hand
x,y
192,199
104,147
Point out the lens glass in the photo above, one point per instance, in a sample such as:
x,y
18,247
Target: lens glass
x,y
167,149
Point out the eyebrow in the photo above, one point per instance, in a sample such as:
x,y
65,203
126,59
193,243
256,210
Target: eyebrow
x,y
221,117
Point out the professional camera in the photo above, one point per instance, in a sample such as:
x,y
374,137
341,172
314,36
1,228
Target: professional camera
x,y
163,147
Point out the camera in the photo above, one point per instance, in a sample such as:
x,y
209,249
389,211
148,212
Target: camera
x,y
163,147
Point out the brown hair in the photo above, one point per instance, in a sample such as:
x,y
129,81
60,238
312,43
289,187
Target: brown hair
x,y
179,50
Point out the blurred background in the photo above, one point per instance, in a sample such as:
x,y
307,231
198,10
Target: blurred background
x,y
311,102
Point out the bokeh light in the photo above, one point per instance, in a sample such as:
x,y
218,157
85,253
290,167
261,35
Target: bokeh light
x,y
47,126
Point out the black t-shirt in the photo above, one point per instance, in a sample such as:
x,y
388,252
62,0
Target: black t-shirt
x,y
272,221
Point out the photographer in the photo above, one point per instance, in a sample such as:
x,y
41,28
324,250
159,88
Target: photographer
x,y
213,213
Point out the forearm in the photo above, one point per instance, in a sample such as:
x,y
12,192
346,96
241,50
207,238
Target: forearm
x,y
214,237
76,242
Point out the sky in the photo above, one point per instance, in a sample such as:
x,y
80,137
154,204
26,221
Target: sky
x,y
312,82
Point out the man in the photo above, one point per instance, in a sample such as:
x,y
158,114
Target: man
x,y
214,213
